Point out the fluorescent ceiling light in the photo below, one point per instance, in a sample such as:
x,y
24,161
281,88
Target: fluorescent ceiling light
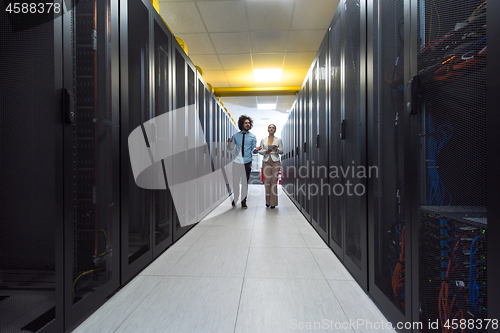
x,y
266,106
267,74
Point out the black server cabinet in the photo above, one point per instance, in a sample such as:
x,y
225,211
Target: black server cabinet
x,y
183,168
353,140
91,167
313,151
448,124
389,275
348,220
319,189
296,141
145,213
163,205
136,212
307,159
217,160
192,135
204,165
321,141
31,176
493,157
336,226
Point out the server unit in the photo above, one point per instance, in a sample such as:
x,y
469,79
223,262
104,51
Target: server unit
x,y
449,115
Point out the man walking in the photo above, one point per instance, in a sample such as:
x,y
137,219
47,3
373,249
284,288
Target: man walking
x,y
244,143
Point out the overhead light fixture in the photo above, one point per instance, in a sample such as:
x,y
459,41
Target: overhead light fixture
x,y
266,106
267,75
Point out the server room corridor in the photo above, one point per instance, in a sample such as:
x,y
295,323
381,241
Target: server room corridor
x,y
255,270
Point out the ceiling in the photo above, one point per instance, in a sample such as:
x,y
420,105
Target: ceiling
x,y
227,39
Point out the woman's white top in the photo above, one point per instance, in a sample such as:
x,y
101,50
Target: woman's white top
x,y
274,154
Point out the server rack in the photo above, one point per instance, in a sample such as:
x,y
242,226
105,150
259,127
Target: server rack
x,y
91,191
335,213
448,118
32,196
184,100
136,211
389,275
493,157
313,152
162,96
322,139
204,165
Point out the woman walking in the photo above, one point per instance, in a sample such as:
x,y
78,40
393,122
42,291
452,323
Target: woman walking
x,y
271,148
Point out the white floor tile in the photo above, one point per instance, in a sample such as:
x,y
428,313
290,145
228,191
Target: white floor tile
x,y
330,265
282,263
359,308
164,263
187,304
212,261
277,237
287,305
119,307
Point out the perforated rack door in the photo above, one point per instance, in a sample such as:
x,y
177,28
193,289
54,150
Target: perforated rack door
x,y
452,161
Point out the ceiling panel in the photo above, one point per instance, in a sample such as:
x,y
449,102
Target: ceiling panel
x,y
223,16
248,101
206,61
233,42
294,76
269,15
236,61
215,78
267,60
240,78
182,17
305,40
268,41
318,16
298,59
197,43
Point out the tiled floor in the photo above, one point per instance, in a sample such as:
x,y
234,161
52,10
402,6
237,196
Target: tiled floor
x,y
256,270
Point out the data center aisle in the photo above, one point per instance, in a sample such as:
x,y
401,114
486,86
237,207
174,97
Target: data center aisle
x,y
255,270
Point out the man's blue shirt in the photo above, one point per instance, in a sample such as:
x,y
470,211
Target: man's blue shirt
x,y
250,144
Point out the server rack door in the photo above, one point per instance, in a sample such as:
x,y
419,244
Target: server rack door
x,y
298,151
162,199
182,96
354,141
321,142
137,213
336,226
204,168
31,146
293,161
313,155
449,129
91,145
213,142
223,146
192,132
217,153
388,273
210,136
307,149
301,155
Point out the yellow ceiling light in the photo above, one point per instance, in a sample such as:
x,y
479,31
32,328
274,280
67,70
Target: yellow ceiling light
x,y
267,75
